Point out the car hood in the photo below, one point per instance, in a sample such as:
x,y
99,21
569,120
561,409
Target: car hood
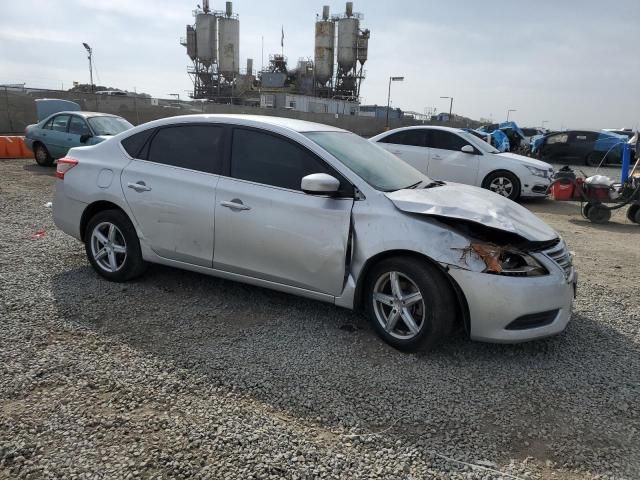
x,y
475,205
525,160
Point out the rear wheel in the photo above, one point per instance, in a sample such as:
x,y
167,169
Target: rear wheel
x,y
42,156
112,246
594,159
503,183
410,304
633,213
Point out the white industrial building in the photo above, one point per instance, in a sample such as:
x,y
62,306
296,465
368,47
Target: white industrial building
x,y
306,103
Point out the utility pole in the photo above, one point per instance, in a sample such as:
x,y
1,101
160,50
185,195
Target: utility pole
x,y
90,57
450,108
391,79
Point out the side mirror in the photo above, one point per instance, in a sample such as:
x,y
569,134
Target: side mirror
x,y
468,149
84,138
319,184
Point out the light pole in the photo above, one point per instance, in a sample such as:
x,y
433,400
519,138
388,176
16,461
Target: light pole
x,y
90,52
450,108
509,112
543,122
177,95
391,79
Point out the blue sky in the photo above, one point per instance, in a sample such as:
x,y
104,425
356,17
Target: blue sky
x,y
570,62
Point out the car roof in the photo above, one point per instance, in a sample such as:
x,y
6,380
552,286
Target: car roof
x,y
420,127
247,120
82,114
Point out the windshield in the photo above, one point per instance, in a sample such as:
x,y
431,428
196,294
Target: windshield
x,y
480,144
109,125
379,168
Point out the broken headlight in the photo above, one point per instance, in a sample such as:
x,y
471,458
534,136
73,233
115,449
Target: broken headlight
x,y
507,261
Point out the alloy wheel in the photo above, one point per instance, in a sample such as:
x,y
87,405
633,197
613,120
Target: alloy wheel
x,y
108,247
398,305
502,186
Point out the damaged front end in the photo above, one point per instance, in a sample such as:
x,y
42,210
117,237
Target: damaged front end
x,y
504,260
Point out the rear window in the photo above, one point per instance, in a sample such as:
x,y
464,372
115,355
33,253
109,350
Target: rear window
x,y
135,143
414,138
196,147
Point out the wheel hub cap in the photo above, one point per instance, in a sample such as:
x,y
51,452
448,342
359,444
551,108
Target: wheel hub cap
x,y
398,305
108,247
502,186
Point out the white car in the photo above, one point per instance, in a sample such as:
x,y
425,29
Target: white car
x,y
455,155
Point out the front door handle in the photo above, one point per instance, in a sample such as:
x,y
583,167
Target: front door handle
x,y
139,187
235,204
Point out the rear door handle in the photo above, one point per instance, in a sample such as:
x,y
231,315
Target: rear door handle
x,y
139,187
235,204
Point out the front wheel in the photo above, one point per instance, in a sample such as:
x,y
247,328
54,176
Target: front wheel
x,y
503,183
112,246
409,303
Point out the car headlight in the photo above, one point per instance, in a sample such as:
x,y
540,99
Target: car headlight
x,y
538,172
507,260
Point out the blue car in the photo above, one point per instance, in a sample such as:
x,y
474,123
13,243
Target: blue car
x,y
52,138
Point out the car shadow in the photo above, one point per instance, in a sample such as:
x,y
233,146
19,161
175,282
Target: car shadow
x,y
36,169
317,361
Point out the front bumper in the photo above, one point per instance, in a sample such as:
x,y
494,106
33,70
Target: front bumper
x,y
496,301
534,186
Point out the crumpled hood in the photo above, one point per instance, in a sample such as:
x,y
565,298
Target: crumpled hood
x,y
474,205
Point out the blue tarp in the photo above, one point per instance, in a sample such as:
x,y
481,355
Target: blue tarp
x,y
499,139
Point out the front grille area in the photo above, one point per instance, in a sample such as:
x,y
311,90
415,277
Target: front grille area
x,y
533,320
562,256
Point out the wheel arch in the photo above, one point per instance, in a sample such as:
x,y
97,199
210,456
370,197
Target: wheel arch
x,y
94,208
462,314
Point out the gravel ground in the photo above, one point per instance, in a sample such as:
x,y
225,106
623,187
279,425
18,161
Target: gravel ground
x,y
178,375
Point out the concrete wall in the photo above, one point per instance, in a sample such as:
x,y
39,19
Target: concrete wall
x,y
17,110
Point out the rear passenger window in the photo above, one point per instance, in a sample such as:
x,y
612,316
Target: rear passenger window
x,y
196,147
135,143
271,160
445,140
413,138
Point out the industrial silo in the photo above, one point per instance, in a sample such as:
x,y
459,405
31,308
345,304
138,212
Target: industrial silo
x,y
325,44
348,28
206,38
363,47
191,42
229,52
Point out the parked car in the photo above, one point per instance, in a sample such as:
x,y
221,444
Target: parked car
x,y
581,146
454,155
497,139
318,212
52,138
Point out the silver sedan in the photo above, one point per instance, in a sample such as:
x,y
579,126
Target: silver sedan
x,y
319,212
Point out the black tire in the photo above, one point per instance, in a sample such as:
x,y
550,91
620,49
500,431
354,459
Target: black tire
x,y
131,263
493,176
633,213
437,310
41,154
597,213
594,159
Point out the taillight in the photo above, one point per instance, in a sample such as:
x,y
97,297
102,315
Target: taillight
x,y
64,165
